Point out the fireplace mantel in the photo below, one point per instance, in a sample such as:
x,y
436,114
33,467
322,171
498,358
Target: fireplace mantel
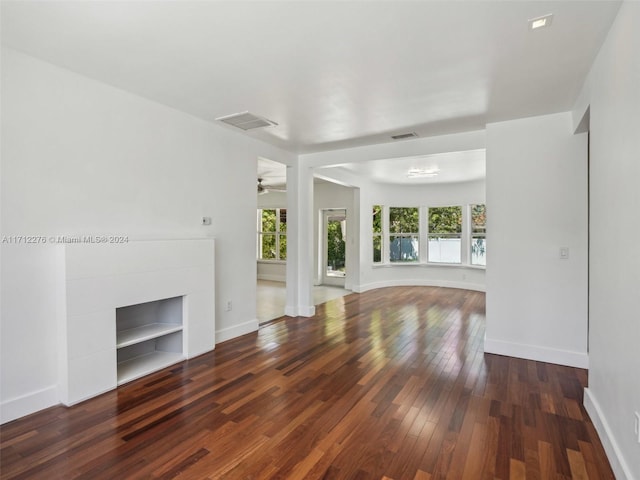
x,y
96,279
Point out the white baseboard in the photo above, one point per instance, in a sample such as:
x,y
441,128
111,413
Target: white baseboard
x,y
228,333
272,278
478,287
620,468
538,353
29,403
306,311
300,311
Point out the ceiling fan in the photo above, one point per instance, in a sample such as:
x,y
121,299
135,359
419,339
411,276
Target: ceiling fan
x,y
262,189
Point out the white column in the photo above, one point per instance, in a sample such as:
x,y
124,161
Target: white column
x,y
353,243
386,245
423,213
465,239
299,241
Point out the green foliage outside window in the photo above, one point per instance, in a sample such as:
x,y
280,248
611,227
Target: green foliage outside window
x,y
268,247
478,232
377,249
377,233
478,218
283,247
445,220
377,219
272,234
335,245
404,220
268,221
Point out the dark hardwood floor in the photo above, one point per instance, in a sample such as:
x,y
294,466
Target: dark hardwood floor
x,y
389,384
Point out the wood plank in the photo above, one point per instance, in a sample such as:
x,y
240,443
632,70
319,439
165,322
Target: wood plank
x,y
517,470
391,383
578,467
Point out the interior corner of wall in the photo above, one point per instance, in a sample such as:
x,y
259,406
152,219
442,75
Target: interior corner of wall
x,y
614,453
581,124
580,110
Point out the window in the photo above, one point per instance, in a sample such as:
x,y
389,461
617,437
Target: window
x,y
478,234
445,234
272,234
404,234
397,233
377,233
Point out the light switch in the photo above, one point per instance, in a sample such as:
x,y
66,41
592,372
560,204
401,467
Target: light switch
x,y
564,253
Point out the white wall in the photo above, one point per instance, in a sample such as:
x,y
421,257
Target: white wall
x,y
81,157
536,204
613,90
272,200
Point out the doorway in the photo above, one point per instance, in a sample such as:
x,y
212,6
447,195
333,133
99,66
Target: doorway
x,y
334,239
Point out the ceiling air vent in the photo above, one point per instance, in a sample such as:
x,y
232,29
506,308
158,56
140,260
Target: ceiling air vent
x,y
246,121
402,136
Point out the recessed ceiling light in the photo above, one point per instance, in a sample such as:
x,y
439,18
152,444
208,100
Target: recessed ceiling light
x,y
540,22
422,172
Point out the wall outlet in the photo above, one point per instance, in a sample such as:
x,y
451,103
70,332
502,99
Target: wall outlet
x,y
206,220
229,306
636,427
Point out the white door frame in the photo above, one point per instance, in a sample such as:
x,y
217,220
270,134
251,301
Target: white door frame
x,y
328,213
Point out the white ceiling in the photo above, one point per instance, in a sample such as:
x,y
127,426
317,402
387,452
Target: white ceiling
x,y
272,173
451,167
331,74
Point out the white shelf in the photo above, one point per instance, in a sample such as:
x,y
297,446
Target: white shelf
x,y
143,365
143,333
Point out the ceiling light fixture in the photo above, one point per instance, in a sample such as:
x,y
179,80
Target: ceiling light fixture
x,y
422,172
540,22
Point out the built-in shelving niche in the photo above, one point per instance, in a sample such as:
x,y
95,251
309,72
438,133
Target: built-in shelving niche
x,y
148,337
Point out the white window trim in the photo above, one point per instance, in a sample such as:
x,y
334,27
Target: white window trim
x,y
408,234
277,234
471,236
381,235
462,235
466,237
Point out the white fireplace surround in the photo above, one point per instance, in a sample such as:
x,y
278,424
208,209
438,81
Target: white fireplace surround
x,y
96,279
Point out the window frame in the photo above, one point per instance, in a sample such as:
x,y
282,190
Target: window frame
x,y
402,235
278,233
466,236
458,235
379,235
473,235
